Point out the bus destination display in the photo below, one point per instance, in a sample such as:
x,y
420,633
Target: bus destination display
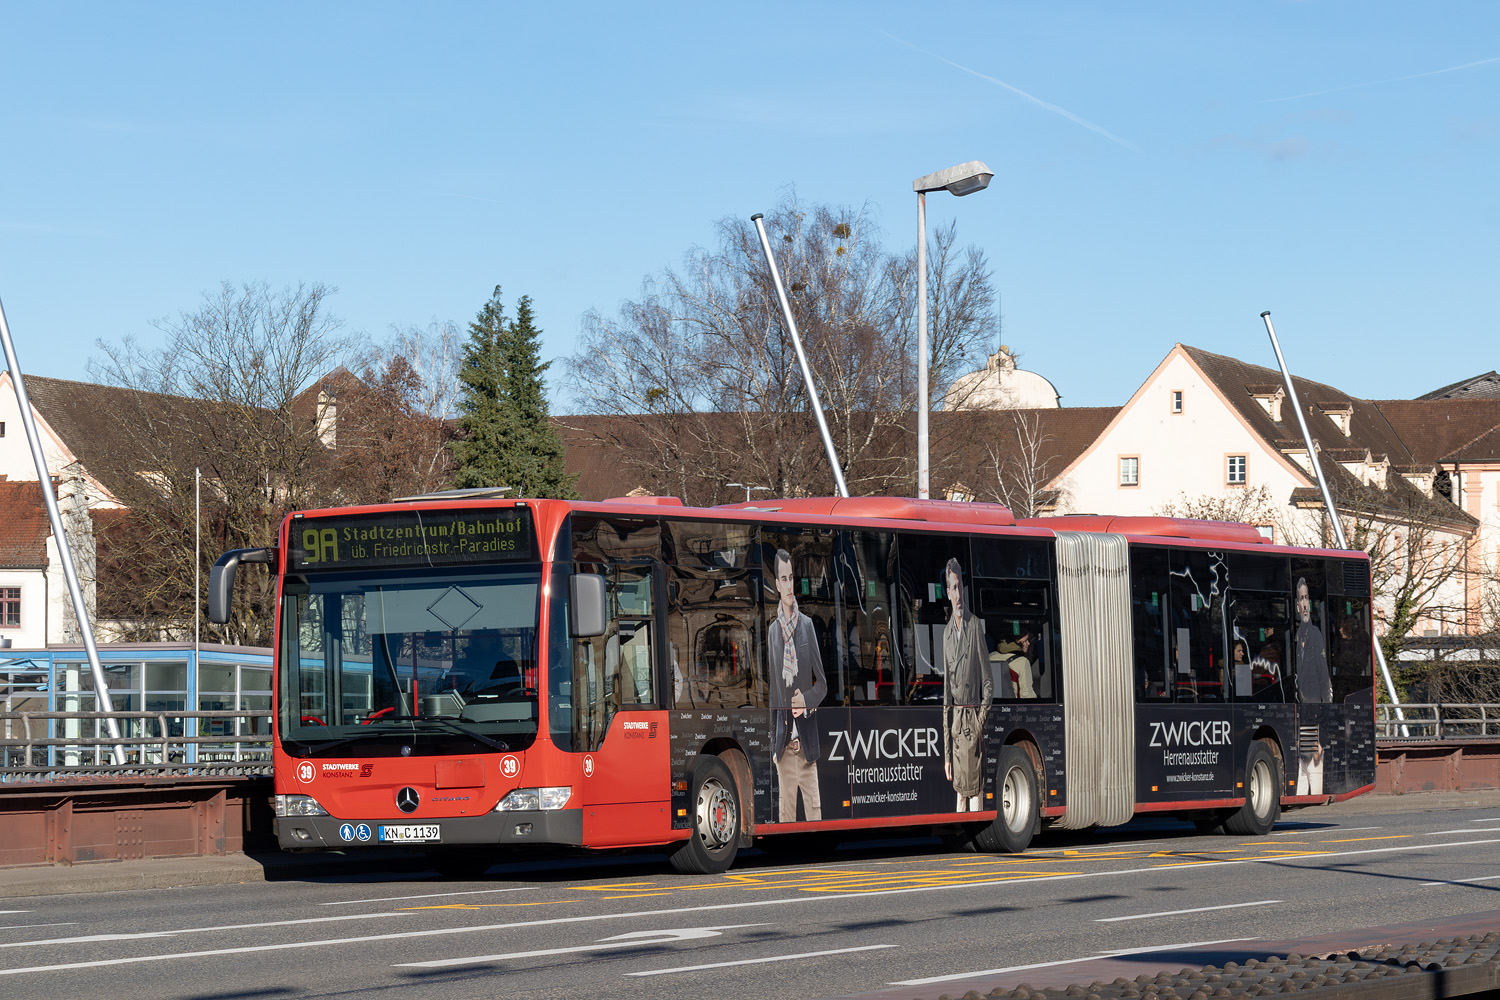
x,y
416,538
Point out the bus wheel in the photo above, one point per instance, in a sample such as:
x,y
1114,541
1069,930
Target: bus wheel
x,y
716,821
1018,811
1262,794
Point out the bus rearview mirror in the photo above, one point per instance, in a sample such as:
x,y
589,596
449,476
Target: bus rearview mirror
x,y
586,596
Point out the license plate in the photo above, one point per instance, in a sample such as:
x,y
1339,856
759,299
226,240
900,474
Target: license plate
x,y
427,834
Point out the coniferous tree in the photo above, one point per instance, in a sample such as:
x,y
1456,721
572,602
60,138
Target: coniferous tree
x,y
483,417
508,438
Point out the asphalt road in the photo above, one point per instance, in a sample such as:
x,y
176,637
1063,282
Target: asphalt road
x,y
905,917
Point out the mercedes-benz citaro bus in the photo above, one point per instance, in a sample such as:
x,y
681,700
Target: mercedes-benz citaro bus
x,y
463,673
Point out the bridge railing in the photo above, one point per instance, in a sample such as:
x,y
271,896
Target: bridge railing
x,y
1438,721
61,746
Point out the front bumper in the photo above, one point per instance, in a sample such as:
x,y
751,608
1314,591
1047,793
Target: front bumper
x,y
555,826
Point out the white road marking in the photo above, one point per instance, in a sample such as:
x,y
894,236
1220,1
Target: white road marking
x,y
1463,881
1067,961
1336,829
1442,833
90,938
1492,819
426,895
22,927
1173,913
634,939
1154,870
15,911
761,961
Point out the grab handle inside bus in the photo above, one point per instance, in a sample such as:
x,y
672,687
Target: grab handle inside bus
x,y
586,597
221,579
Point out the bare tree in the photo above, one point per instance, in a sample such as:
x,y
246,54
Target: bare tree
x,y
224,395
1416,563
1248,505
433,355
388,444
704,359
1024,466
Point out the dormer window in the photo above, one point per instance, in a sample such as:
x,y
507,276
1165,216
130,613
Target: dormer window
x,y
1342,415
1269,397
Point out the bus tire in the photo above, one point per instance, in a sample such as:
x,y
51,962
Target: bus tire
x,y
1262,794
715,838
1017,806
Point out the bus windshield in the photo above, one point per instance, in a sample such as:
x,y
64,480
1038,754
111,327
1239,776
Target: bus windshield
x,y
417,661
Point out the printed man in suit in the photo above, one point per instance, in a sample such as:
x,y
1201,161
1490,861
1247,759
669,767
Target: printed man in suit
x,y
1314,687
797,688
967,690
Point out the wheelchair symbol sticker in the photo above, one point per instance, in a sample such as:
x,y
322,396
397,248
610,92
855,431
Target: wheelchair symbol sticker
x,y
509,766
346,832
362,832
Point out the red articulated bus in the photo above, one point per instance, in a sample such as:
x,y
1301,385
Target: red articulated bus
x,y
464,673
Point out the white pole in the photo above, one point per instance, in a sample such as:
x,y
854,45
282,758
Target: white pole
x,y
812,389
197,560
1333,513
922,402
101,687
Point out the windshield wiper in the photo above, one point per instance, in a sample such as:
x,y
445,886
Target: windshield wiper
x,y
453,726
311,749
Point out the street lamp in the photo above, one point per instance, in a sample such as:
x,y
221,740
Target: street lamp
x,y
966,178
749,489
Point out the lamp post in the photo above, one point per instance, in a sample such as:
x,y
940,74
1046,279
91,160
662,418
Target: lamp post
x,y
749,489
966,178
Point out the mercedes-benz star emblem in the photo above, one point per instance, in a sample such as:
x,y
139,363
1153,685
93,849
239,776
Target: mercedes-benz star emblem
x,y
407,799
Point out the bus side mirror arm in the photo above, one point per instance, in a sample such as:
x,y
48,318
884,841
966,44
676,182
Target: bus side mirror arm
x,y
587,604
221,579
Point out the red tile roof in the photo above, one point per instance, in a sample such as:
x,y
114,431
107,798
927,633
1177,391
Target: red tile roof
x,y
24,529
1446,430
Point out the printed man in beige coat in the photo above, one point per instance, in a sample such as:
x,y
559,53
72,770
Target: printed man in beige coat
x,y
967,690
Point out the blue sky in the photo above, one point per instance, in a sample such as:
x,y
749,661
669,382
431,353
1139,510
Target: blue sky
x,y
1163,171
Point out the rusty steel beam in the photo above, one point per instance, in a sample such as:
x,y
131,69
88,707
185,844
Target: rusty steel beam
x,y
147,818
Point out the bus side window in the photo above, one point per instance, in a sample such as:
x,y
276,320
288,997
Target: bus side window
x,y
874,673
1148,600
629,666
1016,619
710,619
1196,626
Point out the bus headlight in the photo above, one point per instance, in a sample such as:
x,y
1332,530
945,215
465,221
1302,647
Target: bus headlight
x,y
533,799
298,805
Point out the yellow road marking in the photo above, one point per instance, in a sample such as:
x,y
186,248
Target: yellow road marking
x,y
1296,854
617,885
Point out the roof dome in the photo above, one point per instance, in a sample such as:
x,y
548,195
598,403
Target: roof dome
x,y
1000,385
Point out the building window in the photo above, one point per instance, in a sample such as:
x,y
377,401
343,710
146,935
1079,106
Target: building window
x,y
10,607
1130,471
1176,400
1235,474
1267,531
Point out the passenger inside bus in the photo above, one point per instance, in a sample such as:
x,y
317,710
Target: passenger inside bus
x,y
1014,663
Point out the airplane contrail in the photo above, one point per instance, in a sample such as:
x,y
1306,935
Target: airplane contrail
x,y
1376,83
1070,116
